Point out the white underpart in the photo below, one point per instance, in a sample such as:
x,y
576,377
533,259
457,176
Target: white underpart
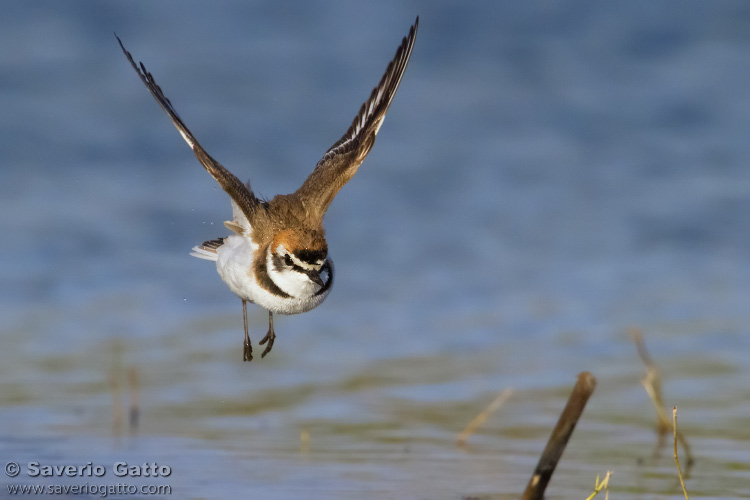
x,y
235,264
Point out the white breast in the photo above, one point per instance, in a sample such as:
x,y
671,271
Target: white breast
x,y
235,265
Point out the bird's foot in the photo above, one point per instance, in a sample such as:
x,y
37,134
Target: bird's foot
x,y
247,354
270,337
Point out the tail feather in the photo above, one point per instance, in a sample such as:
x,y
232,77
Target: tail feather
x,y
207,250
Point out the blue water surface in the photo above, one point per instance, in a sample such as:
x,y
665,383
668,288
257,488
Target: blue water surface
x,y
549,176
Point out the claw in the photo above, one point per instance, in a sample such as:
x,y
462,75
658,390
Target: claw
x,y
270,336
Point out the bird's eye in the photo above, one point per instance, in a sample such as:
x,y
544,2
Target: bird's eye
x,y
288,260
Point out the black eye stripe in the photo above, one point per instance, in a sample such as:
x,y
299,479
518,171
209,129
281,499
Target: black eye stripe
x,y
280,263
311,256
287,261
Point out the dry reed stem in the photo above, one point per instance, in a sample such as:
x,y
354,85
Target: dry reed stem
x,y
558,440
676,459
483,416
652,384
114,388
652,381
603,485
135,406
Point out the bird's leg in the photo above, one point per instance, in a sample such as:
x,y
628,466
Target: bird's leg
x,y
248,352
270,336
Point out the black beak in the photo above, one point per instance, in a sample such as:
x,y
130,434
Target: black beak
x,y
315,278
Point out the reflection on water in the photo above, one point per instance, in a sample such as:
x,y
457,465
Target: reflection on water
x,y
383,427
547,178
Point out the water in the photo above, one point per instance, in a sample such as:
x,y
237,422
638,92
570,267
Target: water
x,y
548,177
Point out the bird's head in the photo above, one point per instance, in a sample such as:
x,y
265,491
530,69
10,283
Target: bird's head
x,y
298,261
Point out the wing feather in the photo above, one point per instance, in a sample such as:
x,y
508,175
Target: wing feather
x,y
241,194
341,161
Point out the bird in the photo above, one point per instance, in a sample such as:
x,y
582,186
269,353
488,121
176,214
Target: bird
x,y
277,255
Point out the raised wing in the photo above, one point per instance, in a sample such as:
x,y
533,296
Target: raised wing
x,y
242,196
343,159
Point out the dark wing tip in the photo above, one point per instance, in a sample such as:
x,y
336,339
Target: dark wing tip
x,y
127,53
150,82
241,194
372,111
342,160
